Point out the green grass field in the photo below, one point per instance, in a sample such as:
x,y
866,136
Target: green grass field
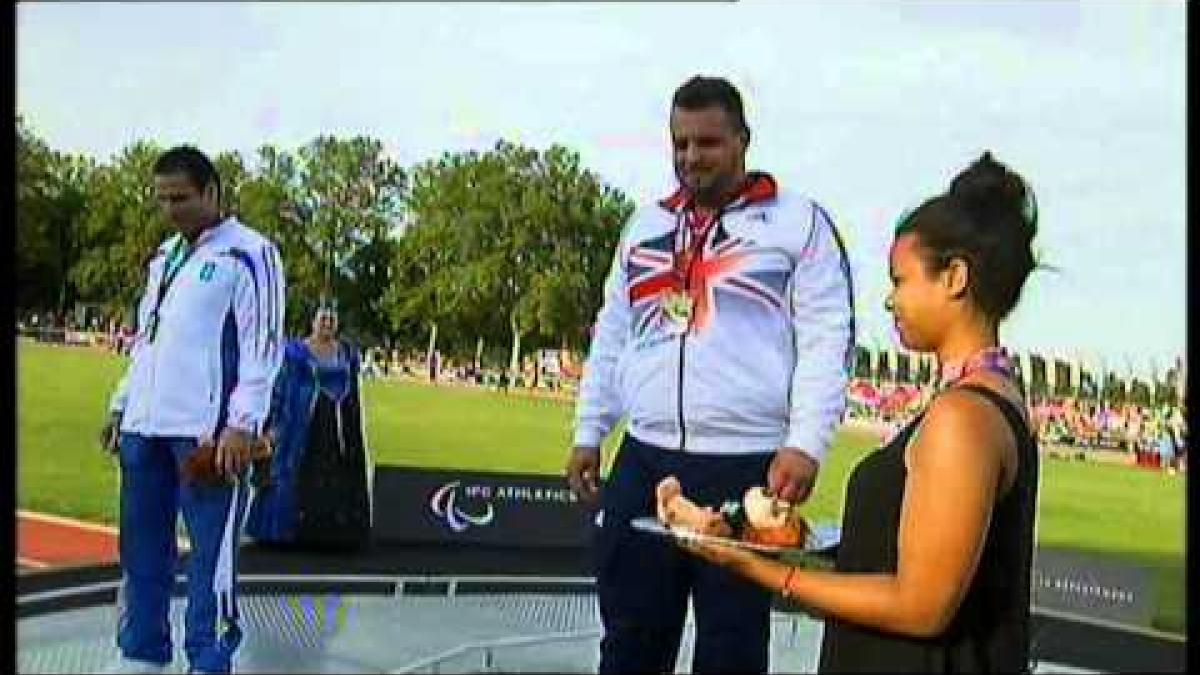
x,y
1132,515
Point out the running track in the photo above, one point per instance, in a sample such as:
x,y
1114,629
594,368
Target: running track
x,y
46,541
52,541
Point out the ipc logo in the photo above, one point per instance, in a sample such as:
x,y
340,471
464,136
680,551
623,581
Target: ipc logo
x,y
443,505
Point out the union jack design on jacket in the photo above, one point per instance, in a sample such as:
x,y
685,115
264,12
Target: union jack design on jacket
x,y
726,332
716,266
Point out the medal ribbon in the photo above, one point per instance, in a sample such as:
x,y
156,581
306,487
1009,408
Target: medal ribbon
x,y
686,251
178,257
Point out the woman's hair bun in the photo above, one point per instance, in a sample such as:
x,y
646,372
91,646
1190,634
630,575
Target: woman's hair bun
x,y
990,192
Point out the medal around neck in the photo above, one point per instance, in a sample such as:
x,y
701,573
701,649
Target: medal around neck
x,y
677,305
677,308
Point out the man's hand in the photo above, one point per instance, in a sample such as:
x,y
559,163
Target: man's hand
x,y
791,475
262,447
583,473
233,451
110,433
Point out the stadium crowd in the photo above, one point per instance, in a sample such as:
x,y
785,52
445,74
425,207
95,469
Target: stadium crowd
x,y
1138,434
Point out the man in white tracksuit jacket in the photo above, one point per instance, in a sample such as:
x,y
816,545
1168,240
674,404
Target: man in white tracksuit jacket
x,y
725,337
208,346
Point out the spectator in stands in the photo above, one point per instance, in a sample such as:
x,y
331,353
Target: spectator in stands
x,y
435,366
1166,447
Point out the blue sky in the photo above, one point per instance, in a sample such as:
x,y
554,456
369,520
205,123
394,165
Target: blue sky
x,y
867,107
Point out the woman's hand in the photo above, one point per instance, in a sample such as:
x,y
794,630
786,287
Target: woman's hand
x,y
717,552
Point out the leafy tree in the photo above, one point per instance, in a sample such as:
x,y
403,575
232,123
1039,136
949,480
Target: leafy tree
x,y
232,171
52,196
510,244
343,205
35,247
122,228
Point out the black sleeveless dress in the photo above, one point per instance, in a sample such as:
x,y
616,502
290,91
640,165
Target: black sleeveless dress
x,y
333,507
990,631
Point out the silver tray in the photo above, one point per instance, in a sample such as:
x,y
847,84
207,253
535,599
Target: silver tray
x,y
822,540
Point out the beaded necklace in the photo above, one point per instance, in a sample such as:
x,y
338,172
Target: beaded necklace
x,y
993,360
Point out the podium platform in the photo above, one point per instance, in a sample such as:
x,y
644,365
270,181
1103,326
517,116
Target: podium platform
x,y
404,610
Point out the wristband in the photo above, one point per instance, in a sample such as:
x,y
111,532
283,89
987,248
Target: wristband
x,y
786,589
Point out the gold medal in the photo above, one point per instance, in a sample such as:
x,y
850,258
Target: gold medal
x,y
677,306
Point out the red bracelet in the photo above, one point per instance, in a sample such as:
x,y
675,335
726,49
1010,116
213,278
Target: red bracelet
x,y
786,589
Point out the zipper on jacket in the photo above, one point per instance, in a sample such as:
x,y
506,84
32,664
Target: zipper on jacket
x,y
687,282
693,253
682,342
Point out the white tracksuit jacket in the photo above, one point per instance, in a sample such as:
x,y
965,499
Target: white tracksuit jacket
x,y
766,360
218,342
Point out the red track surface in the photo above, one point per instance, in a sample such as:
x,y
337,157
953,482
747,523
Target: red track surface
x,y
45,541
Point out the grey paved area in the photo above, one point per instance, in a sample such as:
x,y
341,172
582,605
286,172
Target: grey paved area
x,y
328,633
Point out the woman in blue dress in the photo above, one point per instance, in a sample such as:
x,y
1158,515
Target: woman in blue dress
x,y
317,490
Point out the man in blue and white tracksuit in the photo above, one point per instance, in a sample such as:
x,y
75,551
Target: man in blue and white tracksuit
x,y
725,338
203,362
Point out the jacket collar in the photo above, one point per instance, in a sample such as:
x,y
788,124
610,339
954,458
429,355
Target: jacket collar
x,y
758,187
205,235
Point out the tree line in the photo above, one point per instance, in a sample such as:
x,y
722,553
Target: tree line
x,y
497,252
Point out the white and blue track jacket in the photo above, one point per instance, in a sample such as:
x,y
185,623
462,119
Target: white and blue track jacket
x,y
762,359
207,356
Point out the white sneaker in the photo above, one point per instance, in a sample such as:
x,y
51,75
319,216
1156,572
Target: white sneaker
x,y
124,665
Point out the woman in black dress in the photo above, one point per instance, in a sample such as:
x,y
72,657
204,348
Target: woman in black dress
x,y
317,487
933,570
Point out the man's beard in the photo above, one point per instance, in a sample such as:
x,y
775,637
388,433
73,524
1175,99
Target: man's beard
x,y
193,228
713,192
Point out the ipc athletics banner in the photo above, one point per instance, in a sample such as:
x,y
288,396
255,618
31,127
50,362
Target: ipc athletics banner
x,y
471,507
